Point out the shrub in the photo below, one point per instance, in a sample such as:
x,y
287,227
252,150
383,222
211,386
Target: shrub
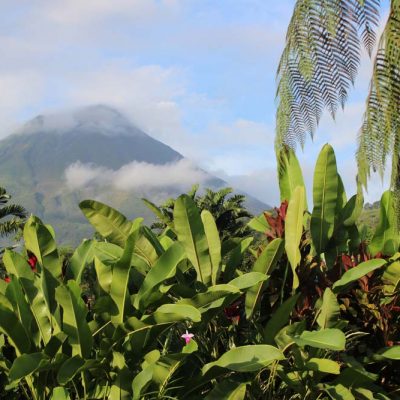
x,y
174,314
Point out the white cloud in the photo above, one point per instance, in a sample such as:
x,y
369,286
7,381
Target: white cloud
x,y
148,94
262,184
155,101
233,147
76,52
19,90
73,12
80,175
135,175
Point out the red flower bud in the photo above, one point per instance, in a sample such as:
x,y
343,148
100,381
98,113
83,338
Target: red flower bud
x,y
32,260
7,279
232,313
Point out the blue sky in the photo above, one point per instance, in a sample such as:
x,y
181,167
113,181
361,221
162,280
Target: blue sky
x,y
197,74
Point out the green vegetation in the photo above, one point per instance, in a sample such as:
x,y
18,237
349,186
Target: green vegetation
x,y
319,65
229,211
369,219
12,216
178,314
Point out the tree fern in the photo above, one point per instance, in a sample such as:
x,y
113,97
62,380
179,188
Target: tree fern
x,y
318,66
320,62
379,136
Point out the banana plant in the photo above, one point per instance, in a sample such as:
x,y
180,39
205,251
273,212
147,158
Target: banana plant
x,y
182,314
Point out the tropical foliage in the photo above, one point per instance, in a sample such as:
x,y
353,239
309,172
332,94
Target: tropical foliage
x,y
319,64
173,316
12,215
228,210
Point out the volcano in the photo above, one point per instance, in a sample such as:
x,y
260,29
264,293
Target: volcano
x,y
54,161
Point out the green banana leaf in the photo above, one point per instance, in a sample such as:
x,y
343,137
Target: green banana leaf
x,y
323,365
83,255
69,369
234,256
141,381
391,277
214,244
279,319
157,211
174,313
294,230
141,334
40,241
289,174
74,319
120,277
352,210
386,237
248,280
107,221
264,264
329,313
164,268
214,297
16,296
190,231
31,284
250,358
391,353
12,327
328,339
341,198
27,364
60,393
228,390
107,252
103,273
339,392
259,224
121,387
325,192
353,274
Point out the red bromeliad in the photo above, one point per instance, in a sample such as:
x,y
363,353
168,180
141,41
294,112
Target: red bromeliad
x,y
277,222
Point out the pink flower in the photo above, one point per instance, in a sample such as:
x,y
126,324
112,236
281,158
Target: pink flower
x,y
187,336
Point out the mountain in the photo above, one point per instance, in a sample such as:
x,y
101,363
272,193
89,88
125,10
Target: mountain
x,y
54,161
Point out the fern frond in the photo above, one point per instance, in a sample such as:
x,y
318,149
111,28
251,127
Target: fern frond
x,y
320,62
379,136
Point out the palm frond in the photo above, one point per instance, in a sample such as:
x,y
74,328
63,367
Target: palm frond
x,y
13,209
10,226
320,62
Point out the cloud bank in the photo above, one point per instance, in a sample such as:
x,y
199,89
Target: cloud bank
x,y
135,175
